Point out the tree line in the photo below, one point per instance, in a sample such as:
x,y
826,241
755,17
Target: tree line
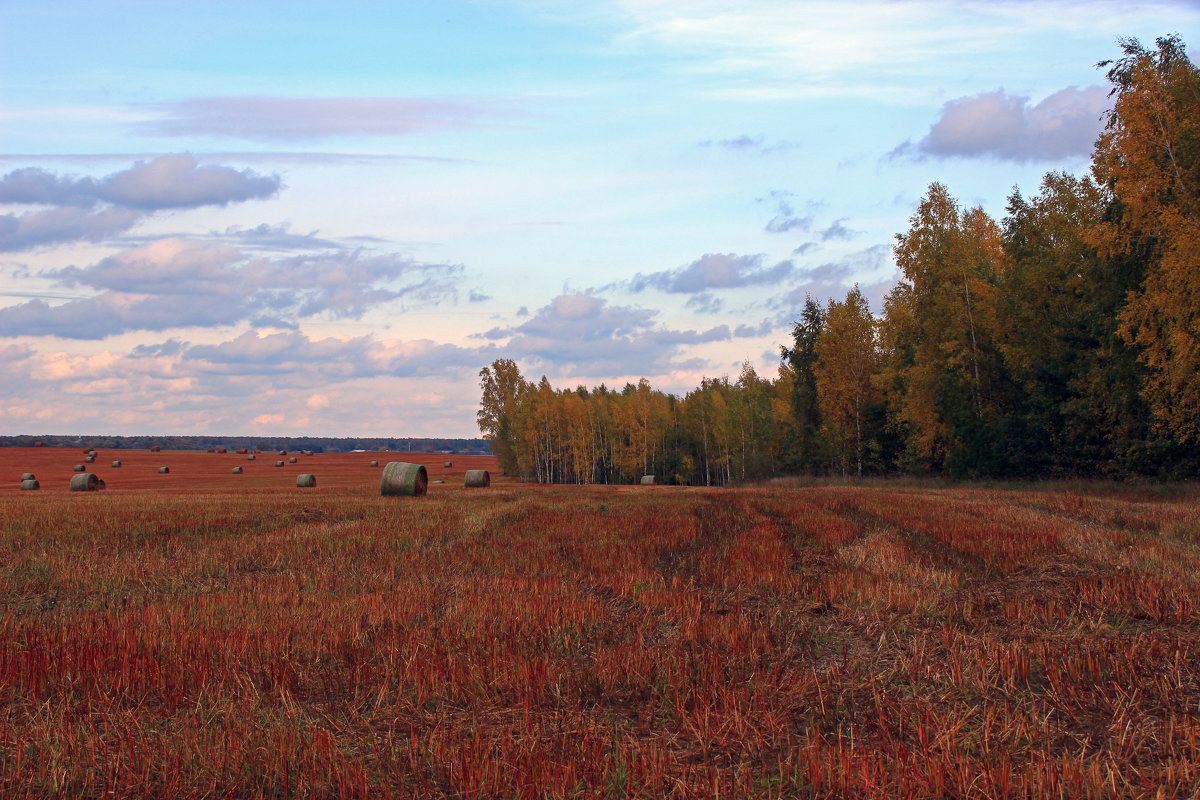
x,y
1061,340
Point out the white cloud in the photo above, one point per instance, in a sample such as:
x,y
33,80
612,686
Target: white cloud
x,y
1005,126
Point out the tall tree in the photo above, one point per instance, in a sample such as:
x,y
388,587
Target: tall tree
x,y
804,449
847,360
502,386
940,374
1149,157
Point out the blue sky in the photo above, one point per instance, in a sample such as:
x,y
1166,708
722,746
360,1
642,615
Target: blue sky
x,y
323,218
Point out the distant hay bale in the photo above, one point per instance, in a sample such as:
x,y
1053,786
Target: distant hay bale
x,y
155,449
30,485
28,476
279,463
648,480
211,450
89,459
116,464
85,482
237,470
80,468
439,480
250,457
306,480
242,451
402,479
163,470
39,444
477,479
292,460
283,452
306,452
448,464
374,463
222,450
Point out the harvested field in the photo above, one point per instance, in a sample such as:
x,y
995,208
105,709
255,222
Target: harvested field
x,y
529,641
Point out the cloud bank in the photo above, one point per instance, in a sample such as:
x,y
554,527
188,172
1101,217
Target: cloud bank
x,y
293,119
172,283
96,209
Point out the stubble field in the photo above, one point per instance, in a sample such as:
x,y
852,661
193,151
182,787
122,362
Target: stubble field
x,y
189,635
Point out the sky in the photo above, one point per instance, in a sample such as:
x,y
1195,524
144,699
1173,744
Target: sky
x,y
323,219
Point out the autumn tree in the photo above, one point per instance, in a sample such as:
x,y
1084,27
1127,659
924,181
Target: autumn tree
x,y
941,367
847,360
1149,157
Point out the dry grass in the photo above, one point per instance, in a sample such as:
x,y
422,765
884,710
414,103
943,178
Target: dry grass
x,y
599,642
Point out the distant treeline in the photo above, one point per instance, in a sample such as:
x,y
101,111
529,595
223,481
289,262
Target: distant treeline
x,y
317,444
1063,340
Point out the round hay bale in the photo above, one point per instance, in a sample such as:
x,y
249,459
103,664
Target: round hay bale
x,y
283,452
116,464
30,485
28,476
221,450
448,464
648,480
163,470
100,484
250,457
237,470
155,449
402,479
85,482
306,480
477,479
80,468
292,460
89,459
439,480
39,444
279,463
374,463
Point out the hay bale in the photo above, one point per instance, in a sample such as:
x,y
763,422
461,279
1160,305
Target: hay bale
x,y
250,457
402,479
237,470
439,480
292,460
648,480
116,464
80,468
155,449
279,463
374,463
283,452
89,459
85,482
306,480
477,479
28,476
221,450
39,444
163,470
448,464
100,484
30,485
